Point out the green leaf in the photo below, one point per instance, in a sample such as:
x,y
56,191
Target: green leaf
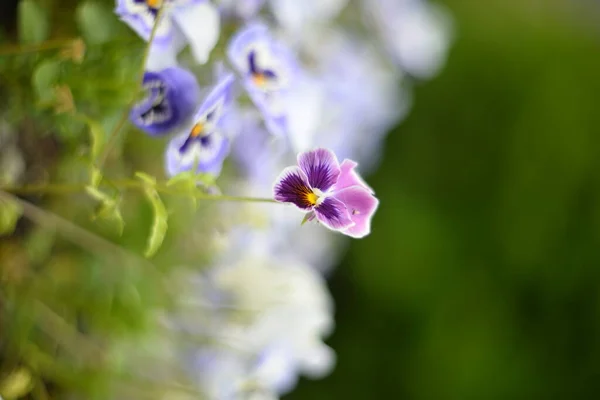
x,y
17,384
34,25
208,180
95,176
308,217
10,212
159,224
187,183
97,137
148,179
44,79
108,208
97,22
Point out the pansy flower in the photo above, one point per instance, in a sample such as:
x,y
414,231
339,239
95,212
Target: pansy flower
x,y
334,194
205,142
171,97
193,21
268,69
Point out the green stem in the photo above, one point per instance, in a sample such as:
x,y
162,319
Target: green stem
x,y
124,116
82,237
67,188
32,48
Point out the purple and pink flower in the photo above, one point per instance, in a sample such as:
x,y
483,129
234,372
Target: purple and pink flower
x,y
331,192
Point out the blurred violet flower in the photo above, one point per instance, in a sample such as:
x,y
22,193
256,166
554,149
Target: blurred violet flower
x,y
244,9
334,194
297,16
269,72
205,142
171,97
416,33
360,93
195,22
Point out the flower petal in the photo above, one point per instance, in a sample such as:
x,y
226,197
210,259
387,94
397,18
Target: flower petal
x,y
333,214
172,95
292,187
361,205
321,167
349,177
163,56
217,102
200,23
140,17
209,151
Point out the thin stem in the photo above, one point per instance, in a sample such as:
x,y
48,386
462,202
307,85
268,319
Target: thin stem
x,y
67,188
32,48
76,234
124,116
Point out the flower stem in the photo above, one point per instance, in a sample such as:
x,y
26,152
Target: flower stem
x,y
123,120
32,48
70,188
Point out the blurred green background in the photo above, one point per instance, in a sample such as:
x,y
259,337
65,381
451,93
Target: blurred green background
x,y
481,279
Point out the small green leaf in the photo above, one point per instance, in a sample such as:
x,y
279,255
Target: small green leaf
x,y
97,137
17,384
10,212
44,80
159,224
108,208
149,179
95,176
308,217
180,178
96,22
34,25
206,179
187,183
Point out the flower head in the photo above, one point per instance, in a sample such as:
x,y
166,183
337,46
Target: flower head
x,y
204,142
171,96
269,71
193,21
333,193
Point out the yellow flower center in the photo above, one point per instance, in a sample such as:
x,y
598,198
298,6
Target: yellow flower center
x,y
197,130
154,3
259,79
311,198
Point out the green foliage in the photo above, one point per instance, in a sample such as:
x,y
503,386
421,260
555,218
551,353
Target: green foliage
x,y
97,22
97,139
34,25
16,385
108,209
44,79
187,183
159,227
10,212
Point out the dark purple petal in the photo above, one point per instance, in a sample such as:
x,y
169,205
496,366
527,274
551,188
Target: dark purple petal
x,y
361,204
321,167
292,187
333,214
252,62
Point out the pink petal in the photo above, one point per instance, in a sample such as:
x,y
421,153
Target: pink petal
x,y
361,205
349,177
